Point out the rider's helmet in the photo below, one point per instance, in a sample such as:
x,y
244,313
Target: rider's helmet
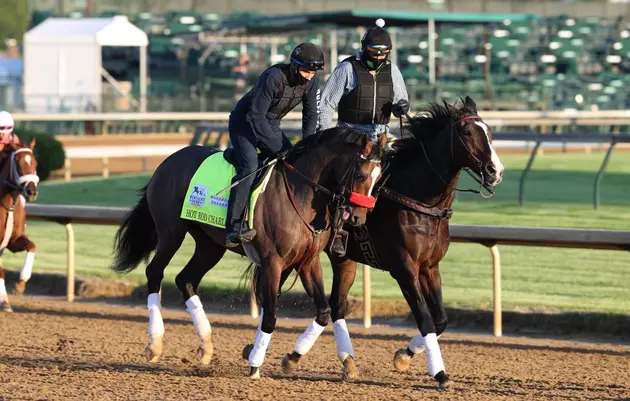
x,y
6,126
375,42
305,55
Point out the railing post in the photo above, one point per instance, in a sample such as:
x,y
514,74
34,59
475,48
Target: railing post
x,y
367,297
521,187
600,175
496,278
70,263
67,169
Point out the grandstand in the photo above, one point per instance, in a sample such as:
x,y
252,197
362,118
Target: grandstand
x,y
543,62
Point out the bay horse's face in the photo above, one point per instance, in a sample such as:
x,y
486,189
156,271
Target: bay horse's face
x,y
360,179
474,148
24,170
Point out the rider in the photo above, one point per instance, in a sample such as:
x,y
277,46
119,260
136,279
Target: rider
x,y
368,88
255,124
6,130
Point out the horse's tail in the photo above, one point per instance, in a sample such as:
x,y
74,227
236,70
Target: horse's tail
x,y
253,275
136,237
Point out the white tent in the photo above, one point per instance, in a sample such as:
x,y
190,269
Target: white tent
x,y
63,66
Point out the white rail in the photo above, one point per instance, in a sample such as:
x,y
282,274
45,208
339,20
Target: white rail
x,y
489,236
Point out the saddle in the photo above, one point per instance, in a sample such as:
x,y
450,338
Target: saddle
x,y
228,155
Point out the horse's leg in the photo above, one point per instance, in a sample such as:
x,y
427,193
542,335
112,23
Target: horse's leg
x,y
247,350
344,273
19,244
409,284
4,298
207,255
313,282
271,273
170,239
431,284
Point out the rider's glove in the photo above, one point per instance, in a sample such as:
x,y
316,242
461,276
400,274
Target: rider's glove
x,y
401,108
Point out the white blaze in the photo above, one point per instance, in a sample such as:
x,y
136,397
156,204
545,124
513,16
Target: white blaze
x,y
375,173
494,158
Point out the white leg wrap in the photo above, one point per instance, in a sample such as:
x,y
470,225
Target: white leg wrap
x,y
257,356
434,355
3,289
308,338
199,318
342,338
27,268
416,345
156,325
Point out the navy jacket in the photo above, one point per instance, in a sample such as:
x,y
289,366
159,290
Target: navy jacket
x,y
254,105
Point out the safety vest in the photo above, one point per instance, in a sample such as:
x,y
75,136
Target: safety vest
x,y
288,96
370,102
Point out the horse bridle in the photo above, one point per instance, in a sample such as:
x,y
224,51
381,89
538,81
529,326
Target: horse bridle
x,y
479,179
15,180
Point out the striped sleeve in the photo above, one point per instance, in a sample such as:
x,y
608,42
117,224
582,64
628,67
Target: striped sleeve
x,y
340,81
400,90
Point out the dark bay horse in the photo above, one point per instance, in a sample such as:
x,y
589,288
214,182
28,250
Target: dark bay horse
x,y
19,179
407,232
292,220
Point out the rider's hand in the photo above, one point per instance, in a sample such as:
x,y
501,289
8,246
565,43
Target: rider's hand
x,y
401,108
282,154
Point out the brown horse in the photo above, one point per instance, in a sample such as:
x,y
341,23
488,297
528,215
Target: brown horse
x,y
18,171
407,232
331,169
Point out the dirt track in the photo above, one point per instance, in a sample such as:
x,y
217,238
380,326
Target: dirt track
x,y
53,350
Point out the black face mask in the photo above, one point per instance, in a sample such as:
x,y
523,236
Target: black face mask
x,y
372,63
295,78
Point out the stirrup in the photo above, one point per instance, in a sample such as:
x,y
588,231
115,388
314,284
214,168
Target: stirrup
x,y
339,244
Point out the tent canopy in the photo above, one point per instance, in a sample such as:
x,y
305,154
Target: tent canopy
x,y
116,31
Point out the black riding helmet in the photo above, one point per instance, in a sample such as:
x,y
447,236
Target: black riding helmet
x,y
306,55
375,42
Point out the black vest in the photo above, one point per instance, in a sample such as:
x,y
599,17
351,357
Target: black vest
x,y
288,96
370,102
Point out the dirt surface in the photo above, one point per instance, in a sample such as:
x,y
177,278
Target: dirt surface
x,y
53,350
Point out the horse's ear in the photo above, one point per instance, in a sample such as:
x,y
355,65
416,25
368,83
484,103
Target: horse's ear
x,y
447,106
367,149
32,144
382,141
470,104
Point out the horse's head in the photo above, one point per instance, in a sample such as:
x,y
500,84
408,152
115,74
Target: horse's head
x,y
349,165
22,169
361,179
473,149
451,138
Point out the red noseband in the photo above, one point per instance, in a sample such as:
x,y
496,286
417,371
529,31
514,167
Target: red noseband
x,y
362,200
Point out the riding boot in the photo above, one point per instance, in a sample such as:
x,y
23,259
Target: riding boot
x,y
239,195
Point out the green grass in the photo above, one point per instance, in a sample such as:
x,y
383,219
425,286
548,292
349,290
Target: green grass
x,y
558,194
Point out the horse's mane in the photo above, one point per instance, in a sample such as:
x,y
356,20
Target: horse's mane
x,y
428,123
336,134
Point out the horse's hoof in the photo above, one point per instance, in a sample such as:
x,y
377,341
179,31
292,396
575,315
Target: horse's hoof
x,y
246,351
254,373
350,371
290,362
442,380
19,287
205,350
5,306
402,360
153,350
